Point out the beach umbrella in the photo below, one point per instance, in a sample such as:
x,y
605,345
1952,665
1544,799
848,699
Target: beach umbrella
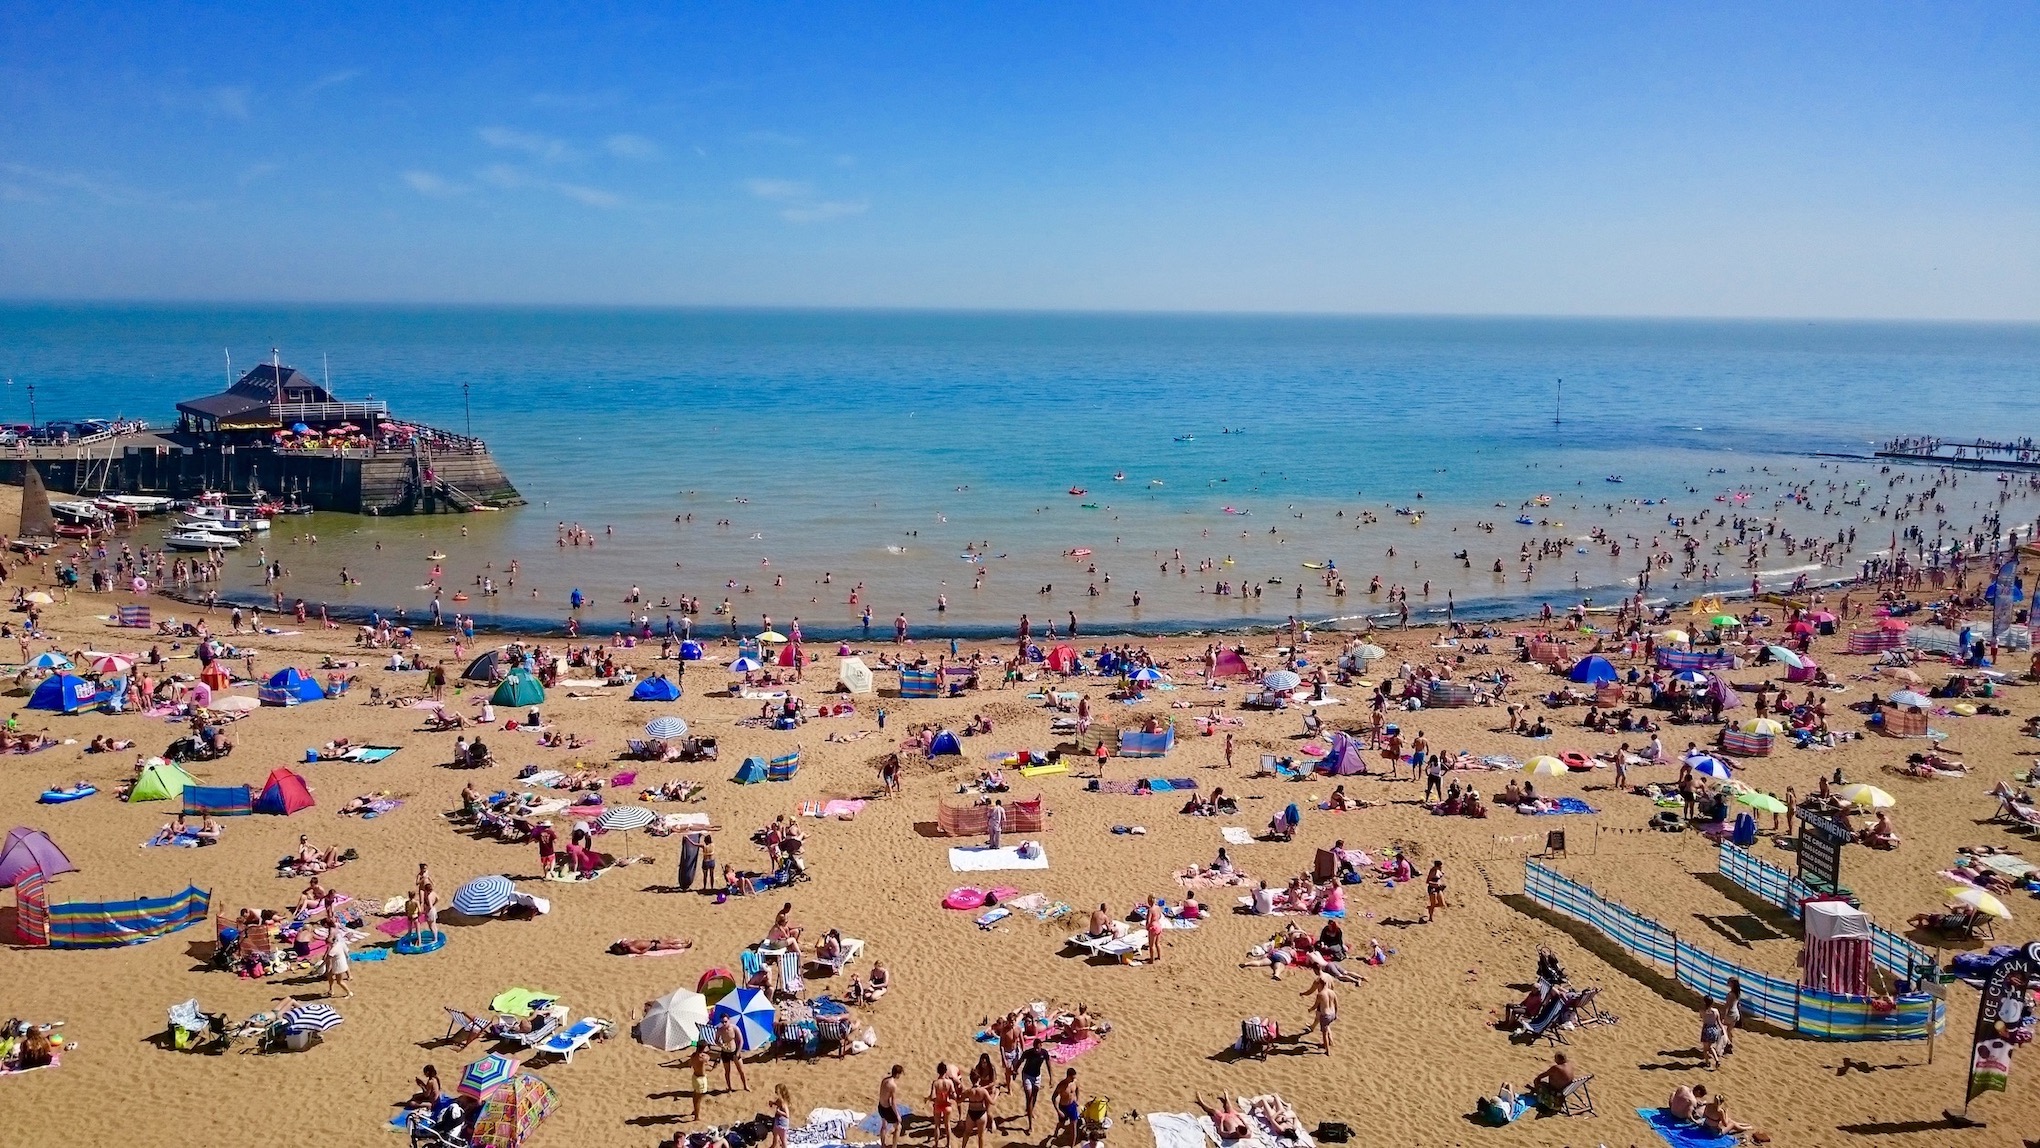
x,y
49,660
1763,725
1979,899
1911,698
771,636
1282,680
235,703
1690,677
1802,626
1675,637
113,664
39,598
716,983
1761,802
484,896
1544,765
624,818
486,1075
674,1021
1145,674
1888,625
744,664
664,728
753,1011
310,1018
1787,656
1724,620
300,428
1901,674
1714,767
1867,796
1822,616
1369,652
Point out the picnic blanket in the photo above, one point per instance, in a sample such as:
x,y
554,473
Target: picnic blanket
x,y
182,841
1681,1133
1176,1130
369,754
988,860
1565,805
1236,835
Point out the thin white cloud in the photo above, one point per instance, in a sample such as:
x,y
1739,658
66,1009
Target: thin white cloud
x,y
510,178
255,171
41,184
544,148
331,79
799,203
231,102
624,145
432,184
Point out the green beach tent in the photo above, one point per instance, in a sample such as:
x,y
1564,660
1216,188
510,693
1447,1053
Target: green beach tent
x,y
519,689
161,781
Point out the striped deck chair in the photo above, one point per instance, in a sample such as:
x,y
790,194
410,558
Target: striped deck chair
x,y
791,983
749,962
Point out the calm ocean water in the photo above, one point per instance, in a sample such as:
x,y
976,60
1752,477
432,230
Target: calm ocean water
x,y
826,438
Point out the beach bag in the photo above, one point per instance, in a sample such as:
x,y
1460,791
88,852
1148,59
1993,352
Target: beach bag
x,y
1333,1132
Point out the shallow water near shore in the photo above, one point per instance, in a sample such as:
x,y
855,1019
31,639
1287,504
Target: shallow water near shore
x,y
915,452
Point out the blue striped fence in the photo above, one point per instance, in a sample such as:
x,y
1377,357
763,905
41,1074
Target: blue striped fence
x,y
1788,1004
1893,953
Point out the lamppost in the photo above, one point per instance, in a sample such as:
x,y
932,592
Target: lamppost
x,y
469,408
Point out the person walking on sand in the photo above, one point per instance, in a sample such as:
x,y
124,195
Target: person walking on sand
x,y
335,936
1434,891
995,823
1033,1063
1324,1008
1154,930
782,1115
729,1048
1068,1095
889,1107
697,1069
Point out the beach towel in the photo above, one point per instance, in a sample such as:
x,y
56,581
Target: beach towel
x,y
987,920
1176,1130
1236,835
182,841
985,860
1681,1133
1122,788
369,754
1567,805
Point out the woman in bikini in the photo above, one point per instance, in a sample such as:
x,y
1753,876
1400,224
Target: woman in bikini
x,y
941,1097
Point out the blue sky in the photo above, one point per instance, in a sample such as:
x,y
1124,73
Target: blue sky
x,y
1853,159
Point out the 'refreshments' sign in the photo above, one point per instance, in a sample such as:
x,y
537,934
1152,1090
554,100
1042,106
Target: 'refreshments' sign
x,y
1820,850
2004,1020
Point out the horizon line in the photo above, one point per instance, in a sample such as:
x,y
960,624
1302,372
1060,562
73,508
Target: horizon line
x,y
117,303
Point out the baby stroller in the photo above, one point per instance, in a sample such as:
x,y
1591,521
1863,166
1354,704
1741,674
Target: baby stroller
x,y
446,1128
1094,1121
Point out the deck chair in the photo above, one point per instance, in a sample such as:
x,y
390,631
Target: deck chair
x,y
1587,1008
563,1043
257,941
463,1028
791,983
750,963
1548,1022
2017,816
1576,1100
1257,1036
833,1032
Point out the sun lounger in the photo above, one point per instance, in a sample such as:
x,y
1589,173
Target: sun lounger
x,y
852,948
564,1043
1119,949
2016,815
532,1039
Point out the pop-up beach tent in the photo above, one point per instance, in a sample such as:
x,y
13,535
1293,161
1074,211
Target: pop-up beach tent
x,y
658,689
284,794
519,689
751,772
483,668
1062,659
65,693
1229,664
690,651
1345,759
160,781
290,686
30,850
855,676
1593,670
945,744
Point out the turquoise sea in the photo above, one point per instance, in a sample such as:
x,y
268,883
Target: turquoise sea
x,y
877,446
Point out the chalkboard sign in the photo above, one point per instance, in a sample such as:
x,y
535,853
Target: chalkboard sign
x,y
1820,850
1554,843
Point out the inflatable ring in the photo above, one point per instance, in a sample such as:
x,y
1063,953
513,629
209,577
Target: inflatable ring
x,y
413,944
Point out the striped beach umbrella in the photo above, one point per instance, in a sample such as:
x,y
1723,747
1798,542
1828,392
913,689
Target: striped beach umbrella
x,y
1282,680
310,1018
754,1013
1770,726
1544,765
1675,638
49,660
624,818
666,727
486,1075
1867,796
1369,652
1690,677
112,664
1145,674
1911,698
1708,766
1980,900
744,664
484,896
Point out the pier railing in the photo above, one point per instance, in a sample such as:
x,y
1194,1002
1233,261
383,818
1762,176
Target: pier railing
x,y
365,413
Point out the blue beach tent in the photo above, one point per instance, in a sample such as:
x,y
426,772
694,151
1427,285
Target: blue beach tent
x,y
1594,670
690,651
751,772
944,743
659,689
64,693
288,687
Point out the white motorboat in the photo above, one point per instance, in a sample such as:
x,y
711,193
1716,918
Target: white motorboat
x,y
215,526
193,539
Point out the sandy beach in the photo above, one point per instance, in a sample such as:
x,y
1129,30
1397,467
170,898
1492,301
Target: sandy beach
x,y
1416,1043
